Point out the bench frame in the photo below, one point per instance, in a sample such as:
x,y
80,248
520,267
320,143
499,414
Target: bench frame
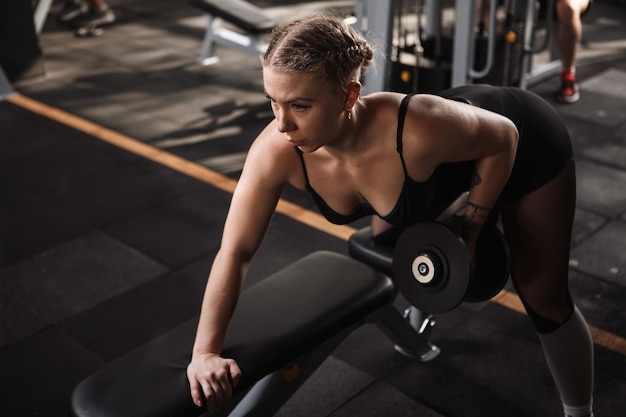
x,y
253,22
269,394
218,34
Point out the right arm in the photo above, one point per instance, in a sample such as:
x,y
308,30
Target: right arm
x,y
266,170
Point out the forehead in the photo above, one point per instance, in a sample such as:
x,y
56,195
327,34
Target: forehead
x,y
286,85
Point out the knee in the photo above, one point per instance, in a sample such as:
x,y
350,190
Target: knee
x,y
568,10
549,322
547,309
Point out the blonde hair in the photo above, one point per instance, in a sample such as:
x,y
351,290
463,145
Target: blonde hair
x,y
322,45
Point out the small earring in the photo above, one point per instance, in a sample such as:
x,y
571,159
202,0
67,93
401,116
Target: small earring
x,y
349,111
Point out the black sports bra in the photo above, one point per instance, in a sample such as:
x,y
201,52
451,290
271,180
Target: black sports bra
x,y
418,201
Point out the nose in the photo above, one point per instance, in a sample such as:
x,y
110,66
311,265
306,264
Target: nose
x,y
285,124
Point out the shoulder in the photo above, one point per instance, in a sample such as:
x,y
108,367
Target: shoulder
x,y
424,113
388,103
383,108
430,105
272,158
384,102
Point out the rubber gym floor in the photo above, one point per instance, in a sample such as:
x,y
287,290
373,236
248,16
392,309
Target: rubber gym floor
x,y
116,170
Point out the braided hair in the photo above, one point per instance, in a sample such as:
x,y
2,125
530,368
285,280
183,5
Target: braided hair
x,y
321,45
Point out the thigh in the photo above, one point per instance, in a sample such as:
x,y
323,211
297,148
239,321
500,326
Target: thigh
x,y
538,228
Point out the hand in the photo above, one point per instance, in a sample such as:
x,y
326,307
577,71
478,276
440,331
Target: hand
x,y
471,247
468,231
212,380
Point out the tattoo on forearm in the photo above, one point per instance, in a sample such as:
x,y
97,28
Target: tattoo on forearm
x,y
476,212
476,180
470,230
476,207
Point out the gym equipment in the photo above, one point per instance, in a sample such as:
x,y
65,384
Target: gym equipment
x,y
283,328
536,74
412,70
246,29
41,13
252,21
427,57
6,90
432,266
21,57
378,253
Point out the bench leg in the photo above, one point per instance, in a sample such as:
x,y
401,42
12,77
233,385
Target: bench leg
x,y
423,324
206,52
410,341
217,34
269,394
6,90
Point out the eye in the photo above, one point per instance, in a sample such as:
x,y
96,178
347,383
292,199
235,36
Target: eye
x,y
299,107
273,105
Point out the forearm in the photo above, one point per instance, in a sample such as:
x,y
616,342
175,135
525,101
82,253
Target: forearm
x,y
490,176
220,298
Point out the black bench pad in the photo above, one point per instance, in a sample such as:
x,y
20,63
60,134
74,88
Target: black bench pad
x,y
276,321
363,248
238,12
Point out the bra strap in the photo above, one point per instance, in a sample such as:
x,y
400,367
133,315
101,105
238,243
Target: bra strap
x,y
401,115
306,175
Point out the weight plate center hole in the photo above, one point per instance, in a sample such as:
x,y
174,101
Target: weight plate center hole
x,y
423,269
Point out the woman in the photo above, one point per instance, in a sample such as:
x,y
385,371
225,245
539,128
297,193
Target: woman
x,y
402,160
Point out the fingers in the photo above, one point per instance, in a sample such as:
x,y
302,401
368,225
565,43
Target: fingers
x,y
216,395
213,385
235,373
196,392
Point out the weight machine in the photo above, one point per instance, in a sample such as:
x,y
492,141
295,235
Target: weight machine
x,y
431,45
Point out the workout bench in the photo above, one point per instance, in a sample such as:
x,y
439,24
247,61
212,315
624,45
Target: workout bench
x,y
253,22
283,328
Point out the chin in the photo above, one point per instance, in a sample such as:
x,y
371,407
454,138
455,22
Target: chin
x,y
308,148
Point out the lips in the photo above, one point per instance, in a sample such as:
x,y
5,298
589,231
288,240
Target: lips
x,y
296,142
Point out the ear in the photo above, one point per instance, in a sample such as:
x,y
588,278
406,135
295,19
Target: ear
x,y
353,94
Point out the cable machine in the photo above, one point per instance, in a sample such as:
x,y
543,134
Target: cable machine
x,y
430,45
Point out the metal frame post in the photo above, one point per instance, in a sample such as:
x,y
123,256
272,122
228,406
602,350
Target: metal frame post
x,y
6,90
433,19
379,15
40,14
463,53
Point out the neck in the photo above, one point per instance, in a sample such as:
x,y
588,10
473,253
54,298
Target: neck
x,y
350,135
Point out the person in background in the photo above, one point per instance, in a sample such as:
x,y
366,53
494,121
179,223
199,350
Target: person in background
x,y
81,13
568,37
568,15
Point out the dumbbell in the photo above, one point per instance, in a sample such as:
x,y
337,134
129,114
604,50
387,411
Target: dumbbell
x,y
432,267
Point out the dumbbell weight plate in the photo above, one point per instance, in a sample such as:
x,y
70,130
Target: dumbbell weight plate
x,y
450,259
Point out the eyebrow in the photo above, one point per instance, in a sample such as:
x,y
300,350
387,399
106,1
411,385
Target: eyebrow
x,y
293,100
